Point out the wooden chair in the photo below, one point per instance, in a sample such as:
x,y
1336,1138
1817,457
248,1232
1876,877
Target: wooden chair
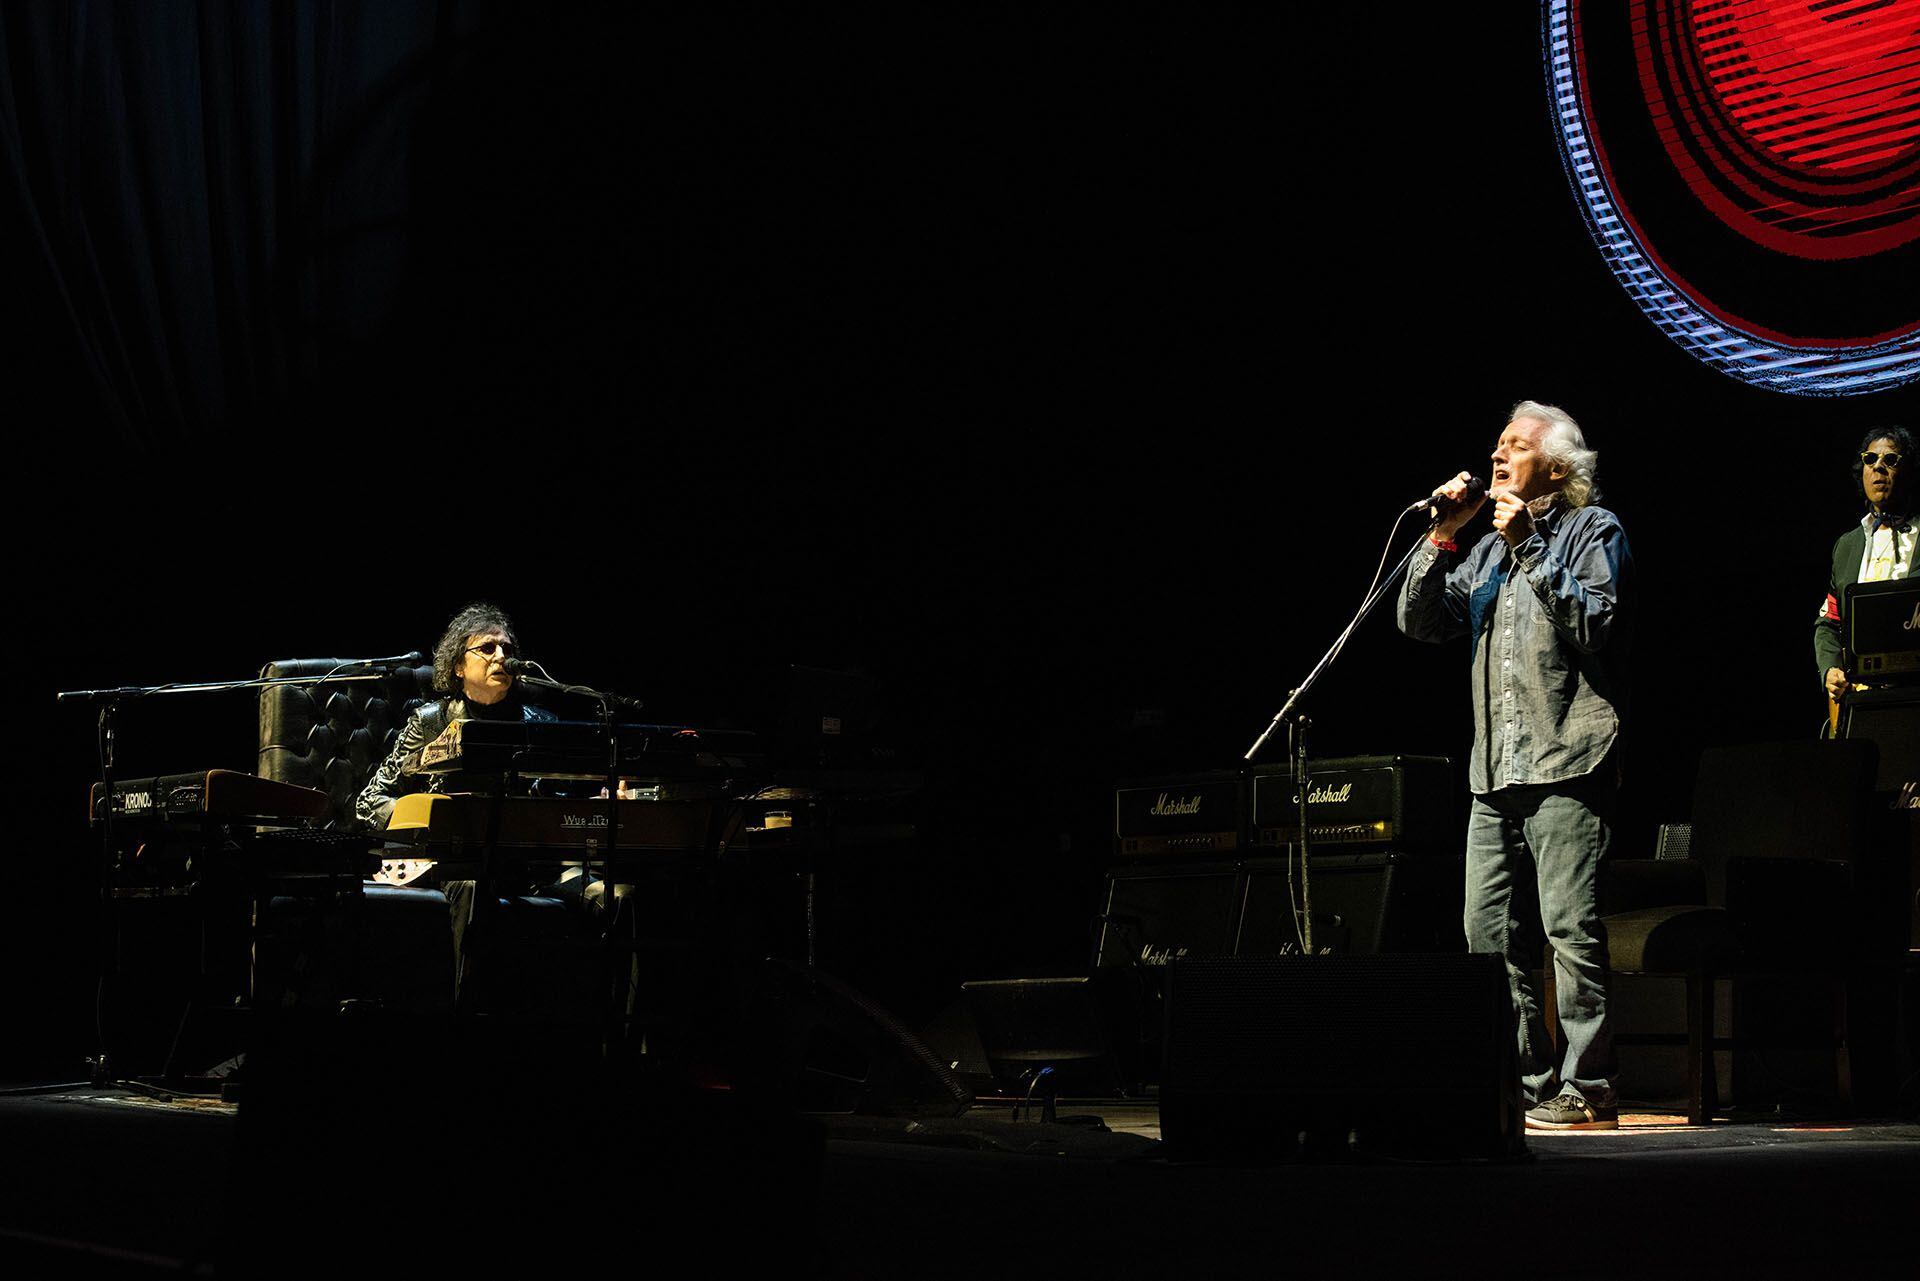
x,y
1767,891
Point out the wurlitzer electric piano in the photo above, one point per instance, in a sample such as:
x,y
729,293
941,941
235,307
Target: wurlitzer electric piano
x,y
636,816
528,801
691,840
530,798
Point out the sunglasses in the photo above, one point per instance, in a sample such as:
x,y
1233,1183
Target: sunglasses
x,y
1871,459
490,648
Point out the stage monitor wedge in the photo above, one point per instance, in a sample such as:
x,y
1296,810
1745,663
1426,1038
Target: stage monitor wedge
x,y
1270,1059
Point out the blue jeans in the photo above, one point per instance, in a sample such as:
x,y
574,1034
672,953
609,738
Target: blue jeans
x,y
1533,863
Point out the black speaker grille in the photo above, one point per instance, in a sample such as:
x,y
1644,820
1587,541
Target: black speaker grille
x,y
1676,841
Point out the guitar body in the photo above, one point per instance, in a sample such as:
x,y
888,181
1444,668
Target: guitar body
x,y
401,871
410,814
1834,708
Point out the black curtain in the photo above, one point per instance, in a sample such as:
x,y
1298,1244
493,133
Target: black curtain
x,y
212,202
805,231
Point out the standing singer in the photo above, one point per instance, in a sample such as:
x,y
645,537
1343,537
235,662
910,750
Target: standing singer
x,y
1545,600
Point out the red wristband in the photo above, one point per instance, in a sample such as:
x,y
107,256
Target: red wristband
x,y
1448,546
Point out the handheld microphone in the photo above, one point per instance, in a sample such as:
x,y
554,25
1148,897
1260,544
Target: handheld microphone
x,y
1438,506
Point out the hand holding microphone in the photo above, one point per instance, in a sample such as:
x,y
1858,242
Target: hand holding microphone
x,y
1453,504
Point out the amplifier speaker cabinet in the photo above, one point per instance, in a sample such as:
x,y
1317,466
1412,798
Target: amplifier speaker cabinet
x,y
1360,802
1272,1058
1888,715
1153,914
1156,914
1376,902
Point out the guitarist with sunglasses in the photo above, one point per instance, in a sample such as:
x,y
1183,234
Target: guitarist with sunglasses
x,y
1880,547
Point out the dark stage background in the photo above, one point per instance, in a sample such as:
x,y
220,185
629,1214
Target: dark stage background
x,y
1062,370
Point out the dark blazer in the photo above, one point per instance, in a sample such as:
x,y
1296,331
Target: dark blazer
x,y
1829,629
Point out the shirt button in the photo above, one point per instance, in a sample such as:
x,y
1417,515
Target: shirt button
x,y
1508,662
1509,631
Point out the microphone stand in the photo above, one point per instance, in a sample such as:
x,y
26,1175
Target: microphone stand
x,y
610,726
110,701
1294,698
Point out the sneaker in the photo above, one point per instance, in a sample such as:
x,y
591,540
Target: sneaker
x,y
1571,1112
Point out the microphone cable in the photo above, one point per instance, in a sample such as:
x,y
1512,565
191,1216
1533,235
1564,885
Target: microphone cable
x,y
1380,569
1339,645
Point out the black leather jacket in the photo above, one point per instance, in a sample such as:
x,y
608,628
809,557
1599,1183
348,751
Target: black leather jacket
x,y
428,722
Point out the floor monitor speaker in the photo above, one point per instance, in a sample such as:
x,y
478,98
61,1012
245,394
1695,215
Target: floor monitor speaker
x,y
1274,1058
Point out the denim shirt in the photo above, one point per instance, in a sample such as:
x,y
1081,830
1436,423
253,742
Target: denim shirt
x,y
1550,632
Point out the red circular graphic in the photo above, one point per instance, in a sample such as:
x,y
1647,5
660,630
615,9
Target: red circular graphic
x,y
1797,122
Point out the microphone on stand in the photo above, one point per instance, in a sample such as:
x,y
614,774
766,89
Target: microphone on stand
x,y
528,670
412,658
1438,505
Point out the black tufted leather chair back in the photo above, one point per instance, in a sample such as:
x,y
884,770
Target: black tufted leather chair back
x,y
333,737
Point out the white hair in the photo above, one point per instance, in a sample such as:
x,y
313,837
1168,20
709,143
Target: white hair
x,y
1565,448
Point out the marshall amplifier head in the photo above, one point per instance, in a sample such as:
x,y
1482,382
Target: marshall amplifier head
x,y
1359,802
1185,814
1883,627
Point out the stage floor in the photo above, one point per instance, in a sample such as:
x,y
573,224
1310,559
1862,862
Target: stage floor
x,y
112,1182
